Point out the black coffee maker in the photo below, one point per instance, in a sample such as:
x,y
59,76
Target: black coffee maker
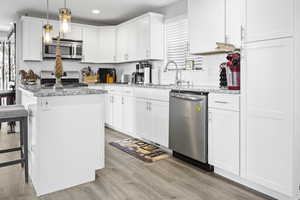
x,y
142,73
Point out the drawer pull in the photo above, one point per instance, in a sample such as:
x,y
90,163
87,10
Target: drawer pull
x,y
221,102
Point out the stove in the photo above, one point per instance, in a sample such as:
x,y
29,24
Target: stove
x,y
70,79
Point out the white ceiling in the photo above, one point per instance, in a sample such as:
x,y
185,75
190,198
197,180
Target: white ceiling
x,y
112,11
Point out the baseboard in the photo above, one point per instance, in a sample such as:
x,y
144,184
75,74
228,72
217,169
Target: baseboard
x,y
268,193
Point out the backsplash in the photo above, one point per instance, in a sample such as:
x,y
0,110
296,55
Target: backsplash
x,y
208,76
68,65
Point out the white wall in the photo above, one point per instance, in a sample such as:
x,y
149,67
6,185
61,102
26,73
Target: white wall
x,y
3,35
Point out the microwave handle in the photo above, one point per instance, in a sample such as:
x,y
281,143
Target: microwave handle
x,y
73,53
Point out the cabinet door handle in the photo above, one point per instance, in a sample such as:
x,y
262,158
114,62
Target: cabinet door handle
x,y
150,106
242,33
209,116
222,102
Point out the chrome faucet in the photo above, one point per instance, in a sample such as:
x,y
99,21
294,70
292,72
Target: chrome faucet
x,y
177,79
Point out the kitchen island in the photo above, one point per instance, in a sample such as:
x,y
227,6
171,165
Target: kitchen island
x,y
66,136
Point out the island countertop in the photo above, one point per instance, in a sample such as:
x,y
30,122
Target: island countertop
x,y
38,91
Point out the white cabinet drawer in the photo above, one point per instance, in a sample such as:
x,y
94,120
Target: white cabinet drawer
x,y
127,91
97,87
224,101
154,94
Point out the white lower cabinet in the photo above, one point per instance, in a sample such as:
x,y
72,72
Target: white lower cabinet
x,y
224,140
139,112
128,115
153,120
143,119
269,114
117,112
108,109
224,132
120,112
160,122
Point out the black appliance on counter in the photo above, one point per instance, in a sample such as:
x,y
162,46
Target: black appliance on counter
x,y
107,72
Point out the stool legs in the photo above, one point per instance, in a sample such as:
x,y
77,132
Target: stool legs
x,y
21,142
24,124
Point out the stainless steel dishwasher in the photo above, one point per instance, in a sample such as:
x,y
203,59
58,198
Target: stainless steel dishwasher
x,y
189,127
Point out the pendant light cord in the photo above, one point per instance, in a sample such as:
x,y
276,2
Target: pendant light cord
x,y
65,3
47,11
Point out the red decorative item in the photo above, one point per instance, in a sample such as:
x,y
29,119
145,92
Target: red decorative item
x,y
233,71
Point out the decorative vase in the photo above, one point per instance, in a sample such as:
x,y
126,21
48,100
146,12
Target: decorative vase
x,y
58,66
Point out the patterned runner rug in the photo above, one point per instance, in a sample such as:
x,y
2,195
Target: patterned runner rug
x,y
141,150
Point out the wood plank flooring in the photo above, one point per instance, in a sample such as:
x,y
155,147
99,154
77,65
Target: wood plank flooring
x,y
126,178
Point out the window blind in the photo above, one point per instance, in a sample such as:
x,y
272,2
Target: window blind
x,y
177,43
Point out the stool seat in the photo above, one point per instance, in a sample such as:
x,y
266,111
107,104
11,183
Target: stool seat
x,y
12,111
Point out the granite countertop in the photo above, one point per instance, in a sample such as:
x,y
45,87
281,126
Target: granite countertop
x,y
38,91
198,88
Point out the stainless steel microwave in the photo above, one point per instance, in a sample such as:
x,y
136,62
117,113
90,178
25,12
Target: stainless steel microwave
x,y
70,49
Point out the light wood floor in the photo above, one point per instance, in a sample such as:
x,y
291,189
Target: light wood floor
x,y
126,178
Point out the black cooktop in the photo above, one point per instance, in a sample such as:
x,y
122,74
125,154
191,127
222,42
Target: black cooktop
x,y
66,85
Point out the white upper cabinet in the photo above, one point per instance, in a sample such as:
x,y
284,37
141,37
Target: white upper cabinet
x,y
141,39
142,36
91,45
99,44
206,24
32,39
214,21
266,19
107,53
122,43
234,22
75,34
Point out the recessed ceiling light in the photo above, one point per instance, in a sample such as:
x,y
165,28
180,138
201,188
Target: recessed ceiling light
x,y
96,11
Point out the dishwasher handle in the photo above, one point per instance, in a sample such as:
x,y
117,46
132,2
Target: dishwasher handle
x,y
187,97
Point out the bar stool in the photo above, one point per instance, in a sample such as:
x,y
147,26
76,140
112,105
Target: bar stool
x,y
14,113
9,98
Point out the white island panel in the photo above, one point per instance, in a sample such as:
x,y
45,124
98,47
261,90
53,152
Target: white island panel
x,y
66,144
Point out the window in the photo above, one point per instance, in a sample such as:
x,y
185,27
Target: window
x,y
177,44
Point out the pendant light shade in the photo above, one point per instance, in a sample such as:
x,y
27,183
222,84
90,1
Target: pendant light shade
x,y
47,28
65,19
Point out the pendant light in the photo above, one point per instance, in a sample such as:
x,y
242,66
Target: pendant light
x,y
65,19
47,28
